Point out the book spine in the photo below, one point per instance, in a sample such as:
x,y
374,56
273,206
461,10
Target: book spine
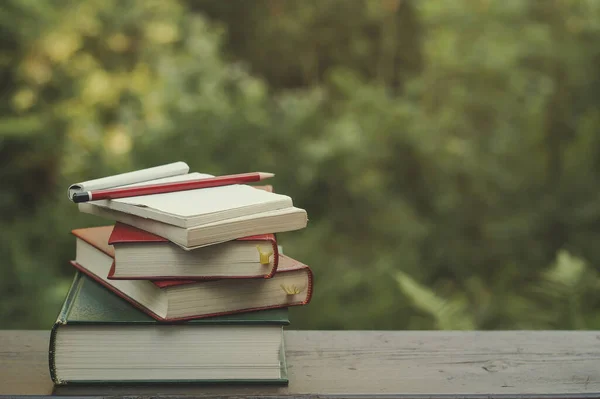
x,y
61,320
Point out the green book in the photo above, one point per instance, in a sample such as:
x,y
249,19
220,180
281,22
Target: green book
x,y
99,337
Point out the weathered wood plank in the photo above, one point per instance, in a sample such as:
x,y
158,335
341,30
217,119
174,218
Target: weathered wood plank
x,y
371,363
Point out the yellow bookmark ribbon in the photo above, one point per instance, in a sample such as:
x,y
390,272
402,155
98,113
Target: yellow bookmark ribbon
x,y
291,289
264,256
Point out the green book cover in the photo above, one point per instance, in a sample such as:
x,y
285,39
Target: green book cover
x,y
89,303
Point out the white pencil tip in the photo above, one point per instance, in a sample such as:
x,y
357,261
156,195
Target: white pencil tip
x,y
265,175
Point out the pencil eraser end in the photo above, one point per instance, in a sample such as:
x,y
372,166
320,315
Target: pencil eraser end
x,y
81,197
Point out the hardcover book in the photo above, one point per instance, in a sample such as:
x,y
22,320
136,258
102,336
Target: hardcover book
x,y
100,338
140,255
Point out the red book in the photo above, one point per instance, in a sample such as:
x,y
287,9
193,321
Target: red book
x,y
140,255
291,285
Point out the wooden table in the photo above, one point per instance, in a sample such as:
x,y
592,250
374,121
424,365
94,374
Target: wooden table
x,y
336,364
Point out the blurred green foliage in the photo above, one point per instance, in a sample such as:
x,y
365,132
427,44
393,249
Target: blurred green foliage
x,y
447,153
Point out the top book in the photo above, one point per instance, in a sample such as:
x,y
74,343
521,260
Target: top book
x,y
207,215
192,208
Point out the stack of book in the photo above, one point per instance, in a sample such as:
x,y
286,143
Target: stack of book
x,y
186,286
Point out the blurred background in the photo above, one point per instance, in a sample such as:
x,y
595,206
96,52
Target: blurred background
x,y
447,152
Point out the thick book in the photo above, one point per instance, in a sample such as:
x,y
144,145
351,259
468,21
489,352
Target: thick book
x,y
100,338
142,255
291,285
201,217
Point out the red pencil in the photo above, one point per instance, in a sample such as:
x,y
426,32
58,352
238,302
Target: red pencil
x,y
148,189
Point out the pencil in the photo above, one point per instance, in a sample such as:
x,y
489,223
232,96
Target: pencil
x,y
161,188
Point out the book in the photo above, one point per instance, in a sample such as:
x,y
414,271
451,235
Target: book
x,y
199,217
100,338
272,222
142,255
291,285
197,207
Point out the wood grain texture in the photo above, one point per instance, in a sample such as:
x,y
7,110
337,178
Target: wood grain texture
x,y
368,364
